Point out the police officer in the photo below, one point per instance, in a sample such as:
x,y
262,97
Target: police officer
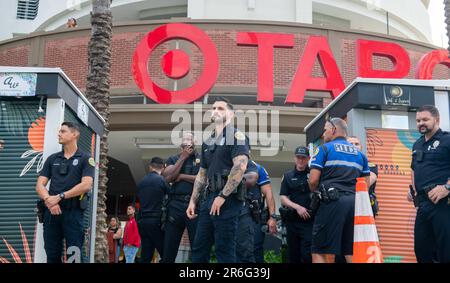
x,y
430,179
295,194
264,192
181,171
335,167
250,238
71,172
246,231
151,192
223,163
373,175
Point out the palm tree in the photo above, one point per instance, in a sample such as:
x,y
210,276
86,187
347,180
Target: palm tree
x,y
447,21
97,91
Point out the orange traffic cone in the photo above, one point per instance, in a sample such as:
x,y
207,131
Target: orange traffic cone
x,y
366,246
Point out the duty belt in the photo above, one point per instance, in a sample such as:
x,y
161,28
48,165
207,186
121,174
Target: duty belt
x,y
70,203
422,194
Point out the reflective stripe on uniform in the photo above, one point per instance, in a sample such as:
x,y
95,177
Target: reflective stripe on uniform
x,y
343,163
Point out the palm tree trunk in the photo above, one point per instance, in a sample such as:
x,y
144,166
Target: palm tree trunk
x,y
447,21
97,91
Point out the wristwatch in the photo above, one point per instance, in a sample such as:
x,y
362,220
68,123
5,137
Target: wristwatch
x,y
447,186
61,195
222,195
273,216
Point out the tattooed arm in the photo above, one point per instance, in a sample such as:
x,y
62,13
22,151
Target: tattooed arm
x,y
236,174
199,186
234,179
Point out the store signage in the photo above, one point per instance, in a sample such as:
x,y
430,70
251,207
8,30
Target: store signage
x,y
83,111
175,64
18,84
396,95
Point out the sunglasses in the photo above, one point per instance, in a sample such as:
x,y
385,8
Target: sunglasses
x,y
329,120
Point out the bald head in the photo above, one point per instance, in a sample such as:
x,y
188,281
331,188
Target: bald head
x,y
335,127
341,126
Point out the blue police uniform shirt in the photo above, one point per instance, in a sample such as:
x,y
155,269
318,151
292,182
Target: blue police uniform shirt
x,y
218,152
341,163
190,167
78,166
151,192
263,179
435,165
294,185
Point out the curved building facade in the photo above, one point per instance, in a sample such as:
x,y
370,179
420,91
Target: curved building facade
x,y
381,16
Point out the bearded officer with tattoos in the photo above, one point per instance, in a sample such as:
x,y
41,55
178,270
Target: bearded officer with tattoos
x,y
224,159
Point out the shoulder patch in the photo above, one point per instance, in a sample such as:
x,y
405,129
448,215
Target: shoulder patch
x,y
239,136
92,162
316,151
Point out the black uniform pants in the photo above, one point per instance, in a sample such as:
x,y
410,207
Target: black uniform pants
x,y
68,226
177,221
151,237
432,232
299,238
245,244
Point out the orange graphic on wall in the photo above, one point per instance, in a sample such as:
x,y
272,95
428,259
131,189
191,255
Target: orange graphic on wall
x,y
390,150
36,134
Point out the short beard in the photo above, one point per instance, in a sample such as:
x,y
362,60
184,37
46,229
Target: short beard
x,y
427,130
217,120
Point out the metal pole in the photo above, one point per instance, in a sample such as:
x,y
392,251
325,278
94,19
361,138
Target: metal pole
x,y
387,22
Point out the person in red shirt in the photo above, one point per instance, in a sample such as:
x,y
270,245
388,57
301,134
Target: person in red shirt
x,y
131,238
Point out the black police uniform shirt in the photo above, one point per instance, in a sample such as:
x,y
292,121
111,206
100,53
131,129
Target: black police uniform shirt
x,y
217,158
294,185
431,160
190,167
78,166
341,163
218,152
151,192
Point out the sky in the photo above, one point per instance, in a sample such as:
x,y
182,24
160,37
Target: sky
x,y
437,23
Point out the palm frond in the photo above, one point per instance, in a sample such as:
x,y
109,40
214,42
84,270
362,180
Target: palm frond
x,y
13,252
26,247
28,166
28,153
40,163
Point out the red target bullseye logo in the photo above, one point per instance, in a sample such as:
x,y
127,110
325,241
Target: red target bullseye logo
x,y
175,64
